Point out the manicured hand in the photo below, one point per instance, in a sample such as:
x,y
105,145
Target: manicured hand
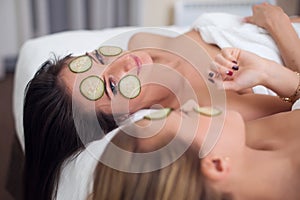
x,y
240,69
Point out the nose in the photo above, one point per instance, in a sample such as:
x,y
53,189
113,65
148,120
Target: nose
x,y
122,65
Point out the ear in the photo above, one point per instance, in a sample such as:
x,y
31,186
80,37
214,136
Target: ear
x,y
215,168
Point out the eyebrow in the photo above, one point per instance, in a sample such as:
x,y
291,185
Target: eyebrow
x,y
87,54
98,56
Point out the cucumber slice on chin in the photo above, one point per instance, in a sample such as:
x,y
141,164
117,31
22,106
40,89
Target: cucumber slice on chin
x,y
130,86
92,88
207,111
81,64
159,114
110,50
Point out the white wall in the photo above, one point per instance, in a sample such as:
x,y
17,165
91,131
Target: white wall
x,y
8,41
14,20
160,12
291,7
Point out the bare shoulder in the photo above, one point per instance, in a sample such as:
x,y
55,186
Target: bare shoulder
x,y
280,129
211,49
145,39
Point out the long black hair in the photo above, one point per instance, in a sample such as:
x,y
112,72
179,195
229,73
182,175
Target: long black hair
x,y
51,135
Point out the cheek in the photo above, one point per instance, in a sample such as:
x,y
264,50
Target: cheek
x,y
146,59
156,93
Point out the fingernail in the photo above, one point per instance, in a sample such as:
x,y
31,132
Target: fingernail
x,y
211,74
235,67
229,73
234,62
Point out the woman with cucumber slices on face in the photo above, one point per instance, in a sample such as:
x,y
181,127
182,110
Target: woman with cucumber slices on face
x,y
76,100
256,159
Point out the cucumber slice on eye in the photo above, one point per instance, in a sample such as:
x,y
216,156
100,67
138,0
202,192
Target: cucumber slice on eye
x,y
110,50
159,114
81,64
208,111
130,86
92,88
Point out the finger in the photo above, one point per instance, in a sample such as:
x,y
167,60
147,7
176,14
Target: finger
x,y
248,19
265,3
231,54
223,71
228,62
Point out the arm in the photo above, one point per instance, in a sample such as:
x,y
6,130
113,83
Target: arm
x,y
254,70
278,24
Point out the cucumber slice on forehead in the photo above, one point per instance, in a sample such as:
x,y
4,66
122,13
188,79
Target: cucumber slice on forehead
x,y
208,111
92,87
159,114
130,86
110,50
81,64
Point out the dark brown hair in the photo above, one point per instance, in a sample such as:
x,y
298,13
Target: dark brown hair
x,y
51,135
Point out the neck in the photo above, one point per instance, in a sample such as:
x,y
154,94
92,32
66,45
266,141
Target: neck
x,y
265,174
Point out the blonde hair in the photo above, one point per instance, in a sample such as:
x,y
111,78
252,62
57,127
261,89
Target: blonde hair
x,y
181,179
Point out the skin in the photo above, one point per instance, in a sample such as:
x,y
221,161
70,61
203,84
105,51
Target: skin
x,y
259,148
250,105
267,16
276,153
278,24
266,148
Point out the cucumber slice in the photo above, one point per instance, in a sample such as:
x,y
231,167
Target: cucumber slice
x,y
130,86
81,64
159,114
208,111
110,50
92,88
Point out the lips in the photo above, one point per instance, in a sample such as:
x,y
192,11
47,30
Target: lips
x,y
138,63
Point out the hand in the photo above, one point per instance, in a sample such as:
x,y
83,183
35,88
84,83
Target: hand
x,y
266,15
240,69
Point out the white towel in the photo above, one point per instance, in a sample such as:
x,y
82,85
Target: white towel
x,y
227,30
296,105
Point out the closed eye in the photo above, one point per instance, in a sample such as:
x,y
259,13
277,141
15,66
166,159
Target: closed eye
x,y
113,85
99,57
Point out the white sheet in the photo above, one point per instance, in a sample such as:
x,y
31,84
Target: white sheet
x,y
296,105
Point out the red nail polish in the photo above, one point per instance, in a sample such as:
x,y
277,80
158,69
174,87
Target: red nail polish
x,y
229,73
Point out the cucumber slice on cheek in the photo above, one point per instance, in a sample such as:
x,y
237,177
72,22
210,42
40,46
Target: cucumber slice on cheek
x,y
80,64
92,88
207,111
130,86
159,114
110,50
